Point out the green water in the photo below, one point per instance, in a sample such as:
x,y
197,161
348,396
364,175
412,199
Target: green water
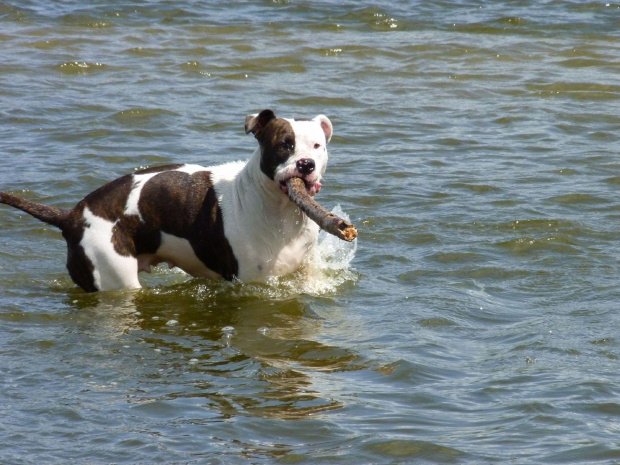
x,y
476,150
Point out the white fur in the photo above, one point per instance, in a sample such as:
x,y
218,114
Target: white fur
x,y
112,271
139,180
178,252
190,169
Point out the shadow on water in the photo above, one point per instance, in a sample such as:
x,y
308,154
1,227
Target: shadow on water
x,y
234,348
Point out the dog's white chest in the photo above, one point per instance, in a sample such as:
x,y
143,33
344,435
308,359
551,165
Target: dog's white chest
x,y
269,235
276,254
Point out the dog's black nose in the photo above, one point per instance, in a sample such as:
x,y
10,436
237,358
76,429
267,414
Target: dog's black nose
x,y
305,165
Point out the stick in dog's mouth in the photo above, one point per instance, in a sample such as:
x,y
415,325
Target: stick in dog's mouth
x,y
331,223
311,188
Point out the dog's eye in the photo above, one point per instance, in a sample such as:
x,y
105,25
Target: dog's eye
x,y
285,145
317,146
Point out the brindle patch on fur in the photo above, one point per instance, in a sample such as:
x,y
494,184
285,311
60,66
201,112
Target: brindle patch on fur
x,y
275,137
108,202
79,266
277,142
186,206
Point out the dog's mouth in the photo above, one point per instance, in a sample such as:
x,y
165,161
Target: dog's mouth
x,y
312,187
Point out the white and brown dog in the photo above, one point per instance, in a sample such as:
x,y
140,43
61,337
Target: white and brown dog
x,y
227,221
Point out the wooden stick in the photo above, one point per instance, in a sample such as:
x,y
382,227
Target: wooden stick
x,y
326,220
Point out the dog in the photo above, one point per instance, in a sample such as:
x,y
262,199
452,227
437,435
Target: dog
x,y
231,221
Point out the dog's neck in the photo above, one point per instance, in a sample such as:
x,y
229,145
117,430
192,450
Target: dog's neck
x,y
256,190
257,208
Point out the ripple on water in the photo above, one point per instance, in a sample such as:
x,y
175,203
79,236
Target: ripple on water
x,y
528,245
577,90
539,224
408,449
578,199
86,21
477,188
80,67
141,116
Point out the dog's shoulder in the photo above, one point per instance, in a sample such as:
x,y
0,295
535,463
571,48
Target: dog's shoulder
x,y
226,171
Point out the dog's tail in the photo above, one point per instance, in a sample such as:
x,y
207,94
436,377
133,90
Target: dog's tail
x,y
52,215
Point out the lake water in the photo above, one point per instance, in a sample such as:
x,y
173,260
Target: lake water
x,y
476,319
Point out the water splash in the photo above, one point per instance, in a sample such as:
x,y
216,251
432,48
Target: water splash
x,y
325,271
333,262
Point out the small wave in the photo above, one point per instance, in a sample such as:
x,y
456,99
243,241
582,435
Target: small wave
x,y
85,21
540,225
412,450
577,90
477,188
578,199
80,67
140,115
525,245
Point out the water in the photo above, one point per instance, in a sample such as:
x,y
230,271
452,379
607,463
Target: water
x,y
476,149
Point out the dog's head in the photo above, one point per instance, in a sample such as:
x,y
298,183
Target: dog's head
x,y
291,148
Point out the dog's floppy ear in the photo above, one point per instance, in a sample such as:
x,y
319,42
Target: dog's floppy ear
x,y
254,123
326,126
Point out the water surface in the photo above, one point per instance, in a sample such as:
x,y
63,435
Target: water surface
x,y
476,149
